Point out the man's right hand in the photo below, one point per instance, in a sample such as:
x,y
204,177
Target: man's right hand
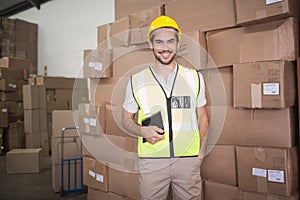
x,y
152,134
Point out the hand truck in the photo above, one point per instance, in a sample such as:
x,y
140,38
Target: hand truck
x,y
68,162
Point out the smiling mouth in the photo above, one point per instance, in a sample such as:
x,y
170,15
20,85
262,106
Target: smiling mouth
x,y
165,54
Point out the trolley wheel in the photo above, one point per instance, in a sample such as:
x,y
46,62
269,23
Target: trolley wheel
x,y
85,189
62,192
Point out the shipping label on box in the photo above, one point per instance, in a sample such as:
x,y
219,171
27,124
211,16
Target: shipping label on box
x,y
268,170
264,84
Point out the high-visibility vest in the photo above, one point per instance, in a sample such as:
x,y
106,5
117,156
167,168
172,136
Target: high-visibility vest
x,y
181,132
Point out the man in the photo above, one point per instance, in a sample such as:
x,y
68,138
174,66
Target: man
x,y
169,155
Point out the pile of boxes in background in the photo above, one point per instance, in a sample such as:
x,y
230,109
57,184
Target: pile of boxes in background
x,y
18,61
251,49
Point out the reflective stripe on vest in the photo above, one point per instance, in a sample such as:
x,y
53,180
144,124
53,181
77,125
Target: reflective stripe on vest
x,y
181,134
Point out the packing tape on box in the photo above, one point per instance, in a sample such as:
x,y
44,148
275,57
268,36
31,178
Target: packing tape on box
x,y
262,184
256,95
108,37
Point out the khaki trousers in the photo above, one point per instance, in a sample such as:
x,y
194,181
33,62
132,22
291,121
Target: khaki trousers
x,y
183,174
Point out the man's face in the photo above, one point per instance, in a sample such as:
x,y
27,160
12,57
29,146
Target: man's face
x,y
164,45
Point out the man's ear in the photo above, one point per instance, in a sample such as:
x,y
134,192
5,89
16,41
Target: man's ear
x,y
150,45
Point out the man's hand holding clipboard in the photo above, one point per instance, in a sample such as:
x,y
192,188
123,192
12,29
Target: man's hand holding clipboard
x,y
155,125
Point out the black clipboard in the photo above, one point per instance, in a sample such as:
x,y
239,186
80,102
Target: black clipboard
x,y
154,120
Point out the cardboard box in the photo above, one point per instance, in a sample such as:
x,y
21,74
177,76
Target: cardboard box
x,y
123,183
108,91
34,96
129,60
33,140
91,119
11,96
252,127
119,34
268,170
220,159
62,119
97,63
14,63
219,86
15,135
71,148
192,51
61,82
95,174
94,194
11,74
260,42
9,84
259,196
264,84
202,15
123,9
276,40
4,115
216,191
56,176
140,22
32,121
217,41
16,158
257,11
113,121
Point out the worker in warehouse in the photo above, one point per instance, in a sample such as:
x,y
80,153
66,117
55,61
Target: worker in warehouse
x,y
172,122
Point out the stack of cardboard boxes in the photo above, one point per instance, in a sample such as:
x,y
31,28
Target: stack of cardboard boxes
x,y
14,72
249,70
254,154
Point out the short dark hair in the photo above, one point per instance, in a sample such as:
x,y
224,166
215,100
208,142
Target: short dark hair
x,y
152,34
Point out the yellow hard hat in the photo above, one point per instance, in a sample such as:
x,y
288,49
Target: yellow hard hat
x,y
161,22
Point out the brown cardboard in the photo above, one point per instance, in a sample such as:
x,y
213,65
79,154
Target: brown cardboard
x,y
192,51
15,135
91,119
113,121
94,194
32,140
31,121
124,143
97,63
259,42
219,86
61,82
269,128
4,115
123,183
71,148
268,41
14,63
129,60
95,174
259,196
16,158
62,119
9,85
264,84
123,8
11,96
217,191
34,96
218,41
111,91
202,15
268,170
56,176
257,11
140,22
213,170
11,74
119,34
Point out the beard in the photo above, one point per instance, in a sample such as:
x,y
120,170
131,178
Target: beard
x,y
160,60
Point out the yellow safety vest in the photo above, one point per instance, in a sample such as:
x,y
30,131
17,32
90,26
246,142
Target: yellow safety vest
x,y
181,133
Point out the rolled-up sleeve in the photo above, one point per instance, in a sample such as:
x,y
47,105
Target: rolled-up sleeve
x,y
201,101
130,104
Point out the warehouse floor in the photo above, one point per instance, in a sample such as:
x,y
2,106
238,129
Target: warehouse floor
x,y
31,186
